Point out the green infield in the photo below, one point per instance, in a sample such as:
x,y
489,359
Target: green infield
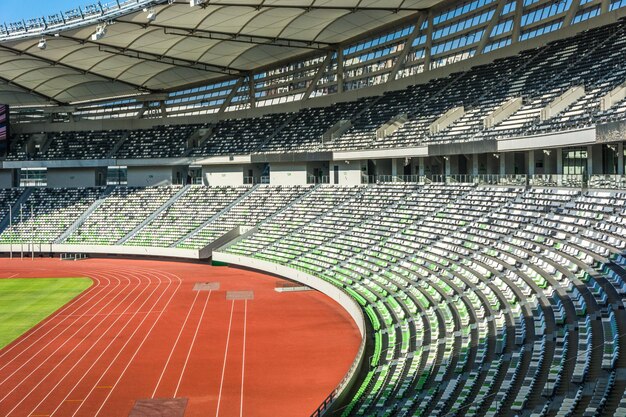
x,y
24,302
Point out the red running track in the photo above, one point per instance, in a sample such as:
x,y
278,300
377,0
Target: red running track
x,y
141,332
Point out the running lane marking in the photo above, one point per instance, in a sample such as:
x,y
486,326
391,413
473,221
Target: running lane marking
x,y
243,358
230,322
138,348
23,379
74,348
193,341
111,327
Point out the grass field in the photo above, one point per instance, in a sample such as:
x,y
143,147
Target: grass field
x,y
24,302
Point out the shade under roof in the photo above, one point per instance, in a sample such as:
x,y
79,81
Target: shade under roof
x,y
184,45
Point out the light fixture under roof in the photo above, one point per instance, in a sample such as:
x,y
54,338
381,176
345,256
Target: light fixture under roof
x,y
101,30
195,2
151,14
42,44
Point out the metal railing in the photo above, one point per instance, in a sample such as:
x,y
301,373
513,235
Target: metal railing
x,y
312,179
608,181
557,180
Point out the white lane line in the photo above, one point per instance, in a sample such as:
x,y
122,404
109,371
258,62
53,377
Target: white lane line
x,y
33,356
243,357
175,344
148,285
230,322
58,362
112,327
14,275
143,341
193,341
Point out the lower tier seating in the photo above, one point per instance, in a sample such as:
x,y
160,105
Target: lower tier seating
x,y
480,300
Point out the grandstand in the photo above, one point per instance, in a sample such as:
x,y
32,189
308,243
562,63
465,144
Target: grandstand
x,y
451,173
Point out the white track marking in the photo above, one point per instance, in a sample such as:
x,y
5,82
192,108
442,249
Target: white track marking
x,y
243,356
9,277
44,325
99,357
23,379
193,341
105,349
175,344
134,354
60,362
230,322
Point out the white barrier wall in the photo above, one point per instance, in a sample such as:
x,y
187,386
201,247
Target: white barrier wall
x,y
71,177
347,172
6,178
225,175
288,173
153,175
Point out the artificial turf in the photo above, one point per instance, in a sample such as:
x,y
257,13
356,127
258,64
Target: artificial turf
x,y
24,302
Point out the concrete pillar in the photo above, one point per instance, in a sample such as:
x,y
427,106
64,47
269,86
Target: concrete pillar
x,y
397,167
420,168
548,161
447,165
559,161
502,164
531,162
620,158
475,164
590,158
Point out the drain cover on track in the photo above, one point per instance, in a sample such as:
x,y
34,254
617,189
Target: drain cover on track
x,y
159,407
206,286
240,295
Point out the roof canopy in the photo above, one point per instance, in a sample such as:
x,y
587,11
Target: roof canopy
x,y
182,46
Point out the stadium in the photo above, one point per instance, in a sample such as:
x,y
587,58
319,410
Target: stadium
x,y
314,208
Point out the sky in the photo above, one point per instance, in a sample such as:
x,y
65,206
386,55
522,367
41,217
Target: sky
x,y
16,10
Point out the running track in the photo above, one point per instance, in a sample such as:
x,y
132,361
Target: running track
x,y
141,332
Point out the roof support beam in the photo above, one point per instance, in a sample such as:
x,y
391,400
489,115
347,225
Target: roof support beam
x,y
517,21
429,42
233,37
162,59
569,16
340,62
31,91
251,93
492,23
408,46
53,63
258,6
147,56
229,97
318,74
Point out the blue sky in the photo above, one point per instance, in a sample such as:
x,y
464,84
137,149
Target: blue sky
x,y
16,10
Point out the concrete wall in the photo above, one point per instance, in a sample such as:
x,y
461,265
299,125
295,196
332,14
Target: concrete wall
x,y
6,178
349,172
149,176
288,173
223,175
71,177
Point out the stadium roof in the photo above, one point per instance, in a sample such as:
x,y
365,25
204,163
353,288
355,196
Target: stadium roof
x,y
182,46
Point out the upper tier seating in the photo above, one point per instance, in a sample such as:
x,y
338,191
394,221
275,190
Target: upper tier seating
x,y
158,142
593,59
83,145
